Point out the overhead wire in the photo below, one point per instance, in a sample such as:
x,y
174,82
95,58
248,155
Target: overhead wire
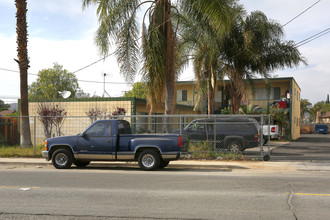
x,y
136,39
301,13
314,37
88,81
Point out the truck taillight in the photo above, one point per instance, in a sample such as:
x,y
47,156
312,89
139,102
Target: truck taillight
x,y
273,129
256,137
180,141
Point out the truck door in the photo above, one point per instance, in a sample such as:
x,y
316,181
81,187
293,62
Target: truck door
x,y
98,140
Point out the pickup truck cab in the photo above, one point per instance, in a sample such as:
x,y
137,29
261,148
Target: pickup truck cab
x,y
111,140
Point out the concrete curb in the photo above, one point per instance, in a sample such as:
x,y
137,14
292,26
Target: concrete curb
x,y
193,164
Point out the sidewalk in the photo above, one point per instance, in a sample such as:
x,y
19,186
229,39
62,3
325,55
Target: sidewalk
x,y
196,164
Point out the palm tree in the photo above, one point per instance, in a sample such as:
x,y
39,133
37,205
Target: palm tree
x,y
23,62
254,47
118,24
203,40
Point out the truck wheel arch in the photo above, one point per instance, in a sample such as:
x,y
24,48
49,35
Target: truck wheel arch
x,y
140,149
56,147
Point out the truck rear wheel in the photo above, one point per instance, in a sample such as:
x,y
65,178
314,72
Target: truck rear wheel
x,y
62,159
149,160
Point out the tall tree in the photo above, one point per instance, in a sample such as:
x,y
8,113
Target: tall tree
x,y
305,107
118,23
255,47
52,81
23,62
139,90
202,39
3,105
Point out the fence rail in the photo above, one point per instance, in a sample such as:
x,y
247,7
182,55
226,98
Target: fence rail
x,y
204,132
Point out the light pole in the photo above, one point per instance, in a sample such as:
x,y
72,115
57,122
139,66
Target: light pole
x,y
104,92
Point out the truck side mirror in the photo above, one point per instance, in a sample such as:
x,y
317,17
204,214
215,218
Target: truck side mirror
x,y
84,135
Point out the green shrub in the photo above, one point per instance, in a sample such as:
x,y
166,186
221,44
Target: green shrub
x,y
205,150
17,151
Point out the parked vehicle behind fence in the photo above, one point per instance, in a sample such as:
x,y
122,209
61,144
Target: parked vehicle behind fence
x,y
321,129
271,131
233,134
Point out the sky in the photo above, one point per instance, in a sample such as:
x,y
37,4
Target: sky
x,y
60,31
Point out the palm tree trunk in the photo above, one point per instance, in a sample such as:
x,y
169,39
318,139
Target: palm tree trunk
x,y
23,63
169,66
237,89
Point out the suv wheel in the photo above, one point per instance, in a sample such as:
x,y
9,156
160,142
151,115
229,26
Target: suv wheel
x,y
234,147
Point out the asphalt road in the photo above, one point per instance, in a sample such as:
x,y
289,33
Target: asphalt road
x,y
178,192
128,193
309,147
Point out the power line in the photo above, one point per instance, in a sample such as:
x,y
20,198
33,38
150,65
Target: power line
x,y
115,52
93,63
301,13
314,37
88,81
8,70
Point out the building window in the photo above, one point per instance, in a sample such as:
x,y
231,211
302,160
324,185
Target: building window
x,y
181,96
218,96
261,93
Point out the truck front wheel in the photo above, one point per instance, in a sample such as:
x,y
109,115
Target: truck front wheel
x,y
149,160
62,159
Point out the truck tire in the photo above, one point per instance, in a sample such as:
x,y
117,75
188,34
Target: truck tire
x,y
163,164
149,160
62,159
79,163
234,147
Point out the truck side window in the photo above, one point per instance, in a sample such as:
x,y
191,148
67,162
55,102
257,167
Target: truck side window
x,y
124,127
100,129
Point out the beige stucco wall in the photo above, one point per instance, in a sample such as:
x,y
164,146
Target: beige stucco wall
x,y
76,120
295,115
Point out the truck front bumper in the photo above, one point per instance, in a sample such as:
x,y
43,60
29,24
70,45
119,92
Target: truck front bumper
x,y
45,154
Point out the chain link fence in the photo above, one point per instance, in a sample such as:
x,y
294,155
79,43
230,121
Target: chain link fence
x,y
205,133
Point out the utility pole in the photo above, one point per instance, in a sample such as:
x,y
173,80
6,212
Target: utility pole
x,y
104,92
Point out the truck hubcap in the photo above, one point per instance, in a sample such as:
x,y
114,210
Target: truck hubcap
x,y
61,159
148,160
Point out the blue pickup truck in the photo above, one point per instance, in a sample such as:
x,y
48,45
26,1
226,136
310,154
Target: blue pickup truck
x,y
111,140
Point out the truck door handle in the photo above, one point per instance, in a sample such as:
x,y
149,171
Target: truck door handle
x,y
109,141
